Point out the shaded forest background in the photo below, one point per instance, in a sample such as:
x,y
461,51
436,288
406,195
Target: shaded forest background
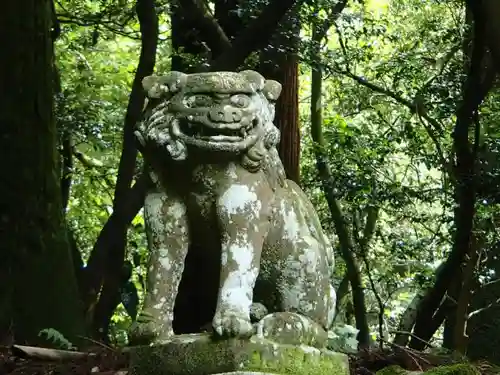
x,y
389,119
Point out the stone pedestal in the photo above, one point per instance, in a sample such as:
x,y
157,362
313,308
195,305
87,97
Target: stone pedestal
x,y
199,354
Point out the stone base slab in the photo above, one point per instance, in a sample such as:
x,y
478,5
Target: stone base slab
x,y
199,354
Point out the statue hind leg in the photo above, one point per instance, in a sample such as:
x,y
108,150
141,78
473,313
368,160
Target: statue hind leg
x,y
297,289
305,283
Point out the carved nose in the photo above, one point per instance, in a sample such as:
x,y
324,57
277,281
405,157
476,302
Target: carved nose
x,y
225,115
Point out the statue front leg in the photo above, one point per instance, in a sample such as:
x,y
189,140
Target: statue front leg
x,y
168,241
244,224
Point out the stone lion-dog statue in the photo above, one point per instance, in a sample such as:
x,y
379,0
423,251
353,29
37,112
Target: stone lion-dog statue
x,y
209,143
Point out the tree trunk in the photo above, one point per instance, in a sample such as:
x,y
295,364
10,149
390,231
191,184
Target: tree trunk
x,y
455,288
407,320
487,13
37,283
279,61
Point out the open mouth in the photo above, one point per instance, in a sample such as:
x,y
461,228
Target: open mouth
x,y
223,132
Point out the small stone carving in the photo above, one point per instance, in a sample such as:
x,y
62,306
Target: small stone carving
x,y
209,143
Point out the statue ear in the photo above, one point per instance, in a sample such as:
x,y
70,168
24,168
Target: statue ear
x,y
152,87
167,85
254,78
272,90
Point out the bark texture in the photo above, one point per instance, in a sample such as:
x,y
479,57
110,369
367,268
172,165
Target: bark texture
x,y
37,283
279,61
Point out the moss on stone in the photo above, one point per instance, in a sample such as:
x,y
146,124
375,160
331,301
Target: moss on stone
x,y
198,354
392,370
455,369
291,360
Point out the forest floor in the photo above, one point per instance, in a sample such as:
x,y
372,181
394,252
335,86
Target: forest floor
x,y
17,360
38,361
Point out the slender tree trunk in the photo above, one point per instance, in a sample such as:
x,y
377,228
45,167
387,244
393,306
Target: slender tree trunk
x,y
347,246
37,284
455,288
113,252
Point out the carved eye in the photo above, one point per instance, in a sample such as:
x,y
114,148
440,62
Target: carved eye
x,y
240,100
197,101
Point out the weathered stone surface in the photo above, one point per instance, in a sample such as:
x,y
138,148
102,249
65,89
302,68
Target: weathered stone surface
x,y
219,187
291,328
200,355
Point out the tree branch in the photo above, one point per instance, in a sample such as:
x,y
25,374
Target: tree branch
x,y
342,292
254,36
411,105
212,33
370,225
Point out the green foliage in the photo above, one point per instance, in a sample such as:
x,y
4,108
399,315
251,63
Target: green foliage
x,y
57,338
378,59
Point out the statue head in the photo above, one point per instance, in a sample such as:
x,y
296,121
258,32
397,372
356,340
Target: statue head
x,y
218,111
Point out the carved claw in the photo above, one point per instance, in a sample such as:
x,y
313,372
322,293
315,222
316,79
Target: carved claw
x,y
232,324
144,331
292,328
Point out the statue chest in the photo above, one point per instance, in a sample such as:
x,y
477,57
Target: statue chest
x,y
206,184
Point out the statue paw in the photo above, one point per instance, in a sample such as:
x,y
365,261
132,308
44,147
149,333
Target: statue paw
x,y
229,323
145,331
292,328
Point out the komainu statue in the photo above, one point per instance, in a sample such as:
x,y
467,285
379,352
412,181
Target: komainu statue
x,y
209,144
